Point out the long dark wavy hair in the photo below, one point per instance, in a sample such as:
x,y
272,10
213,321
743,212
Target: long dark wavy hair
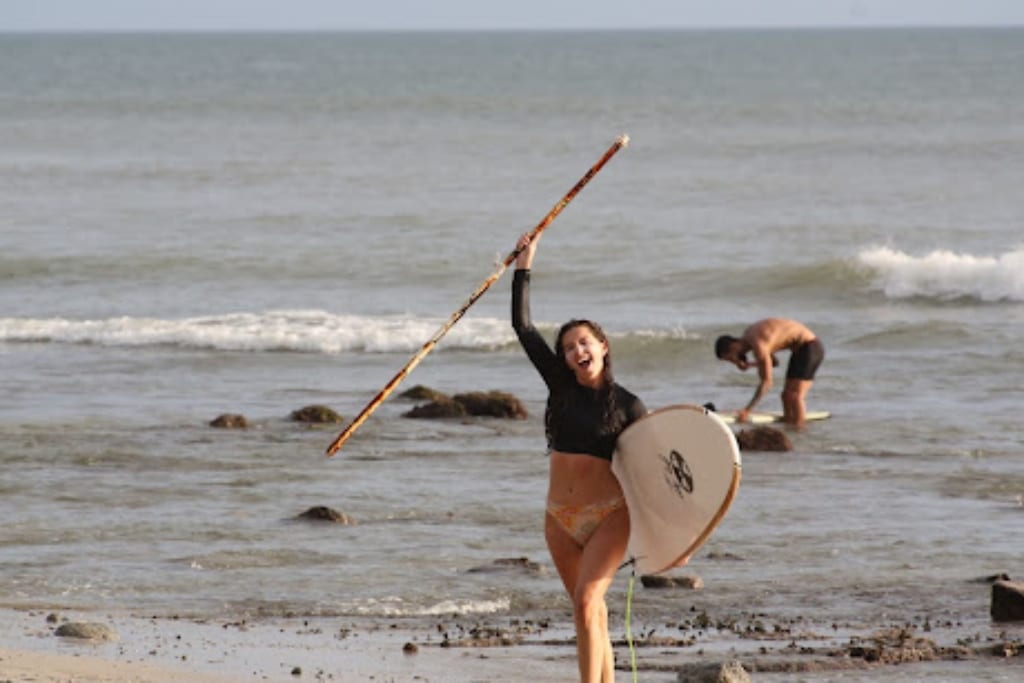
x,y
607,391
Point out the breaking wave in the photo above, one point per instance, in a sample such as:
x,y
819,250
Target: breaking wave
x,y
945,275
305,331
299,331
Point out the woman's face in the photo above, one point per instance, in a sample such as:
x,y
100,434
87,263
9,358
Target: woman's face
x,y
584,354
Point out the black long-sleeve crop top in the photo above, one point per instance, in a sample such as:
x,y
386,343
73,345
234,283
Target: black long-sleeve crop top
x,y
575,419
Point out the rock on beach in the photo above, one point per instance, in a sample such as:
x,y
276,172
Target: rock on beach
x,y
729,672
693,582
498,404
509,564
763,439
230,421
322,513
86,631
316,414
1007,601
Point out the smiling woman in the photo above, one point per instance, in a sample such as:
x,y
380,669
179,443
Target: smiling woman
x,y
587,523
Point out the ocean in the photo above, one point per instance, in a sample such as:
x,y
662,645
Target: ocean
x,y
198,224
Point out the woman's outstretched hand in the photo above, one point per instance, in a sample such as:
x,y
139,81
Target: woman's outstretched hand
x,y
527,248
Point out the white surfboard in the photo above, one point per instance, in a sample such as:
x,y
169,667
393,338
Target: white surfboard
x,y
763,418
679,468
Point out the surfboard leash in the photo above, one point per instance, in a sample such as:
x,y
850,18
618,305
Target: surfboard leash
x,y
629,613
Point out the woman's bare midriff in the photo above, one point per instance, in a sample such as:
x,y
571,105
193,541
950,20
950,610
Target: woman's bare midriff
x,y
577,478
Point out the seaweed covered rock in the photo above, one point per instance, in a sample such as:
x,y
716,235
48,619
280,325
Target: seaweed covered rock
x,y
713,672
322,513
423,393
86,631
896,646
444,407
1007,601
229,421
492,404
693,582
474,403
316,414
509,564
763,439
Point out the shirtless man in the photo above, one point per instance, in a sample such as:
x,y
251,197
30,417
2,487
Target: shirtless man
x,y
764,339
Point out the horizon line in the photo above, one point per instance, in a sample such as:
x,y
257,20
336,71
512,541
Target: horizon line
x,y
521,29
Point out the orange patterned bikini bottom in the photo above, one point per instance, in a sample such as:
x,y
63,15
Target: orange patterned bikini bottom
x,y
581,521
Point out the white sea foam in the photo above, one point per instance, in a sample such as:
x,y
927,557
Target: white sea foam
x,y
303,331
946,275
296,330
398,608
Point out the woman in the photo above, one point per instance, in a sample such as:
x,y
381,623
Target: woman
x,y
587,523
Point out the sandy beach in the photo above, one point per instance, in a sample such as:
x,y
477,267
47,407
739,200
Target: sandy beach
x,y
174,650
166,650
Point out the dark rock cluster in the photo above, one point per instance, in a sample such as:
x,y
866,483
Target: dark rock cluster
x,y
475,403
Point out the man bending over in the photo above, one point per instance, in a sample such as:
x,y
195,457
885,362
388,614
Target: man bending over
x,y
764,339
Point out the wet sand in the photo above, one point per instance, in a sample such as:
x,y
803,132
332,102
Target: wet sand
x,y
165,650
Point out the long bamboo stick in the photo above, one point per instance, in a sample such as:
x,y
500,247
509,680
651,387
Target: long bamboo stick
x,y
427,347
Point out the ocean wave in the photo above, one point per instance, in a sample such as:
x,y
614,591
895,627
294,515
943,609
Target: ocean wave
x,y
300,331
306,331
945,275
832,277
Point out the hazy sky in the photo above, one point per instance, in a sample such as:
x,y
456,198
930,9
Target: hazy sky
x,y
121,15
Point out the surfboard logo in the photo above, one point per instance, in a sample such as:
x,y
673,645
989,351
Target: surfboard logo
x,y
677,473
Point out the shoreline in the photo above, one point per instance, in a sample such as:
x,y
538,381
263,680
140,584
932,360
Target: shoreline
x,y
472,648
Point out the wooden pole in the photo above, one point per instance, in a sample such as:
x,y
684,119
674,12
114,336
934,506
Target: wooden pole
x,y
427,347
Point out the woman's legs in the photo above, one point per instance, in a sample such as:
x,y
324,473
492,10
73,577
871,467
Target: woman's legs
x,y
586,574
564,551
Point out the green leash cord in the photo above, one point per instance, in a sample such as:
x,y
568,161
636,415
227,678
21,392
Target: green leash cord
x,y
629,632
